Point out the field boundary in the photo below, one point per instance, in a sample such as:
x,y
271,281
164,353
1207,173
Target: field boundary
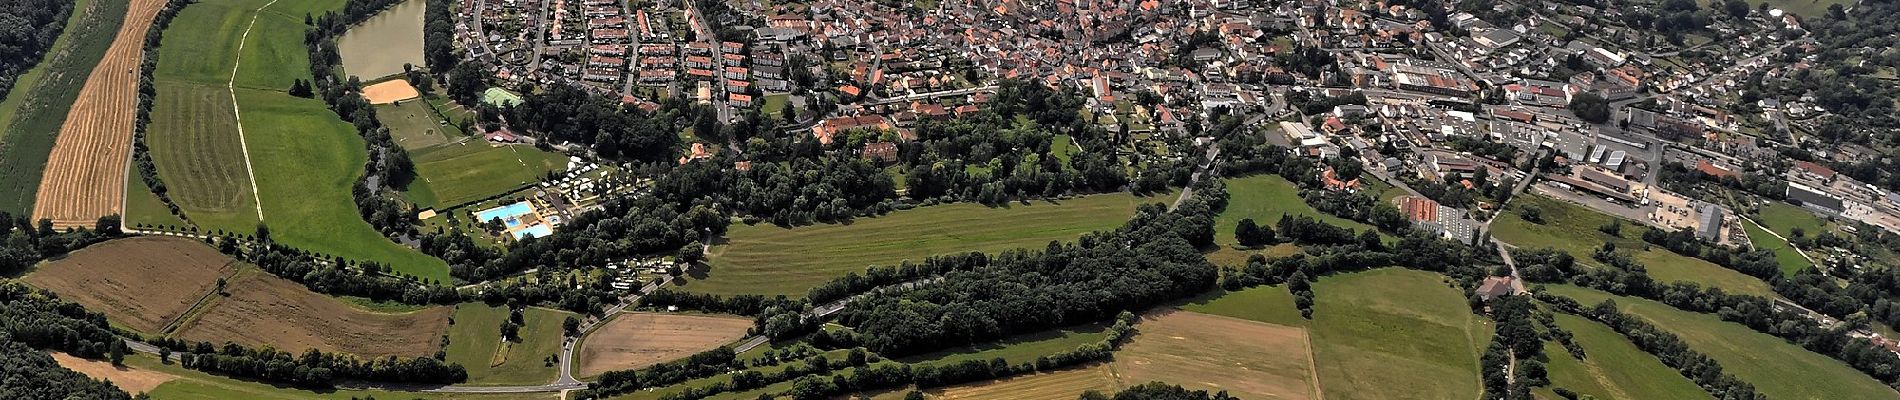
x,y
172,326
237,111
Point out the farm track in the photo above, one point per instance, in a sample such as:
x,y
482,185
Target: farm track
x,y
237,113
86,173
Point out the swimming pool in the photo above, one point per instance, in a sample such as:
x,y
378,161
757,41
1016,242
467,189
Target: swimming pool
x,y
538,230
509,214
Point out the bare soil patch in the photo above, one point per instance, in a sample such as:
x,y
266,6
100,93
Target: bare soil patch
x,y
142,283
390,92
262,309
131,380
86,173
635,340
1252,360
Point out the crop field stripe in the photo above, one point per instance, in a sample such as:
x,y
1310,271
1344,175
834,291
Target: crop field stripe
x,y
238,114
31,114
98,123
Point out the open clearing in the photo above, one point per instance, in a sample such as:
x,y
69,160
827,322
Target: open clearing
x,y
1784,219
1573,229
1264,198
460,173
1612,367
634,340
194,385
1777,368
475,343
390,91
1060,385
414,126
1252,360
770,260
1786,256
128,379
1379,334
85,173
31,114
262,309
142,283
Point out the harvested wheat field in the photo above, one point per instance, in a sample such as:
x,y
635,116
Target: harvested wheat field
x,y
390,92
634,340
1059,385
1251,360
131,380
262,309
85,175
141,283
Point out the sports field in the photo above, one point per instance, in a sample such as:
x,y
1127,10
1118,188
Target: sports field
x,y
30,115
1777,368
142,283
1248,359
1264,198
85,173
635,340
262,309
1612,367
459,173
769,260
1020,348
1573,229
475,342
414,126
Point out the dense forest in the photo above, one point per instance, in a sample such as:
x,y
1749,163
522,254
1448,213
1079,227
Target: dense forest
x,y
27,31
29,374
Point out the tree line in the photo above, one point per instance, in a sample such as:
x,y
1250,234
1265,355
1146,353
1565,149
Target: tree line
x,y
27,243
313,368
1667,347
148,92
388,165
29,374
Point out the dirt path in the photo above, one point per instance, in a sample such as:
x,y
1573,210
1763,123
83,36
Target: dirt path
x,y
238,115
132,380
86,172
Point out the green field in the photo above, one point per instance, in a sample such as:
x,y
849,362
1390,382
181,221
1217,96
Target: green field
x,y
1380,334
414,126
475,342
1777,368
1612,368
31,114
1573,229
460,173
306,162
1263,197
1784,218
304,159
195,385
1020,348
144,208
194,142
770,260
775,103
1790,259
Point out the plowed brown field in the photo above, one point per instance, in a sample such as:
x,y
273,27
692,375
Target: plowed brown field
x,y
636,340
85,176
143,283
262,309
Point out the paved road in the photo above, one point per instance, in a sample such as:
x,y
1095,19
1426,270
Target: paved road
x,y
1213,150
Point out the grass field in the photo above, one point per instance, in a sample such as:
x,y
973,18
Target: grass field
x,y
1385,333
144,208
262,309
1790,259
30,115
143,283
414,126
1248,359
1776,368
769,260
460,173
634,340
1020,348
475,342
1264,198
1612,368
194,143
1784,218
1573,229
188,384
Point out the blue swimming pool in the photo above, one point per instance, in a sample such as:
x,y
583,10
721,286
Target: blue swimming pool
x,y
538,230
508,213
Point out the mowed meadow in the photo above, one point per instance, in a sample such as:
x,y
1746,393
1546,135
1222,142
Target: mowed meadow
x,y
303,159
772,260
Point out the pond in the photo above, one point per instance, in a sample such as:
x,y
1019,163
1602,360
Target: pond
x,y
380,46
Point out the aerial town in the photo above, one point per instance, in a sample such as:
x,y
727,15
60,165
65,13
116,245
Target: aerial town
x,y
945,199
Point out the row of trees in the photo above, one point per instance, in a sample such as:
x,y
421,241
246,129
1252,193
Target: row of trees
x,y
1516,339
1667,347
313,368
